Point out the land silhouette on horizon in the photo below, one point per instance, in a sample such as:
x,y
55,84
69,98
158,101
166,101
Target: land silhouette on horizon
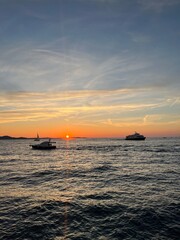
x,y
7,137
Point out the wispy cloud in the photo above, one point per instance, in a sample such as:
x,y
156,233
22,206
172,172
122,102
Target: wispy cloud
x,y
84,106
161,119
159,5
140,38
39,68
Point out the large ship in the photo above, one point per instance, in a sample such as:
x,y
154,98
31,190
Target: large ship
x,y
135,136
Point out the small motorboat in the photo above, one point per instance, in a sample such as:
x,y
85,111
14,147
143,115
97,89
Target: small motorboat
x,y
46,145
135,136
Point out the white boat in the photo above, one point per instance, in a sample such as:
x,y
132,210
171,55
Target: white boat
x,y
46,145
37,138
135,136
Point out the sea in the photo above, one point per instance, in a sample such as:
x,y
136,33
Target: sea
x,y
90,189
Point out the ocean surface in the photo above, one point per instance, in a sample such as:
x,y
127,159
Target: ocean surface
x,y
104,189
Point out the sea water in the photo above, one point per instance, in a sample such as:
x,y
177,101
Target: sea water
x,y
90,189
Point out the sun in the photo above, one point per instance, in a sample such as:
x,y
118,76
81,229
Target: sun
x,y
67,136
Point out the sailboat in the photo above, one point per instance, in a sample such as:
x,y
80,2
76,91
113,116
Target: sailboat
x,y
37,138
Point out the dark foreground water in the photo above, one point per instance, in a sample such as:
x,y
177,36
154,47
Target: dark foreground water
x,y
90,189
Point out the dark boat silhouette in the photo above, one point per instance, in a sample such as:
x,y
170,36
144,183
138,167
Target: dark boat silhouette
x,y
46,145
135,136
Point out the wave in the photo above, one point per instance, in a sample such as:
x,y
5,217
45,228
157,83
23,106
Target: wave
x,y
92,189
88,220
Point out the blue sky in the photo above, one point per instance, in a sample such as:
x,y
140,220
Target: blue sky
x,y
91,55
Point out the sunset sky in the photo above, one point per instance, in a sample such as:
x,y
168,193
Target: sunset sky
x,y
91,68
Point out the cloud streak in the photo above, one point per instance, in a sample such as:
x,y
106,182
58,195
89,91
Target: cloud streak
x,y
157,6
87,105
36,69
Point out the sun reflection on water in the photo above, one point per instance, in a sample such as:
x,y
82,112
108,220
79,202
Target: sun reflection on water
x,y
67,184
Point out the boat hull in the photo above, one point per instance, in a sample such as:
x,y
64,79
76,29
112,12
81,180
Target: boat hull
x,y
135,139
43,148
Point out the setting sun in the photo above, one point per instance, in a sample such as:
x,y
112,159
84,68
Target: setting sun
x,y
67,136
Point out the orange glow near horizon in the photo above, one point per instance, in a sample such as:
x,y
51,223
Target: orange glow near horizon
x,y
58,130
56,115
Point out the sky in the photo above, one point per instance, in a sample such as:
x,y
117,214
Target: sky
x,y
89,68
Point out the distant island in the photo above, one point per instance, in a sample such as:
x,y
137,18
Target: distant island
x,y
6,137
79,137
11,138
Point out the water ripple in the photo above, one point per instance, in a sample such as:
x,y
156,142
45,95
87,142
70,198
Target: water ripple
x,y
104,189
